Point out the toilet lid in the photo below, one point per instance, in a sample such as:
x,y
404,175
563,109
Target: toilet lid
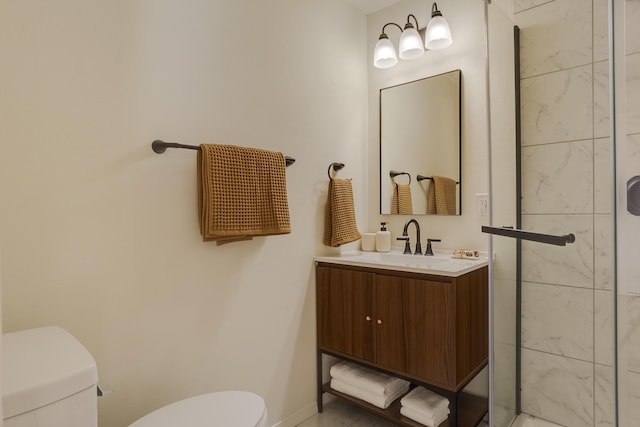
x,y
225,408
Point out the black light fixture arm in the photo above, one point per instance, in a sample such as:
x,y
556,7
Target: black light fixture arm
x,y
435,11
411,15
384,34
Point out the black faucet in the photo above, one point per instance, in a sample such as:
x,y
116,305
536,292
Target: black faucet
x,y
406,234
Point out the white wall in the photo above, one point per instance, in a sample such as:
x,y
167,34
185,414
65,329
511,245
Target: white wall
x,y
100,234
467,53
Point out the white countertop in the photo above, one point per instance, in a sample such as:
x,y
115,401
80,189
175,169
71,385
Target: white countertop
x,y
441,263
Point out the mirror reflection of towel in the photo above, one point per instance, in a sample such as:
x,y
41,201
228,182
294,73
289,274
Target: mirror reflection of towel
x,y
401,202
441,196
340,217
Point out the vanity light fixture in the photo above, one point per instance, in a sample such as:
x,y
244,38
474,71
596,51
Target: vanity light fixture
x,y
384,54
411,45
438,34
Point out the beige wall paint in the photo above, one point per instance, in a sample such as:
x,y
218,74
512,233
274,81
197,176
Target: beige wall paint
x,y
100,234
467,53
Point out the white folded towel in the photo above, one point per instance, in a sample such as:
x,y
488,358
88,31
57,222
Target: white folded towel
x,y
367,379
426,402
372,398
416,416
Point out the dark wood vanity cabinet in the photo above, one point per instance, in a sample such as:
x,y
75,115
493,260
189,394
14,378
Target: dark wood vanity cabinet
x,y
345,312
431,330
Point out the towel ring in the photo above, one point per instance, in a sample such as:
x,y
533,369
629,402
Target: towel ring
x,y
393,174
336,167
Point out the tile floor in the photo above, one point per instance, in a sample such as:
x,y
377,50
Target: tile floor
x,y
339,413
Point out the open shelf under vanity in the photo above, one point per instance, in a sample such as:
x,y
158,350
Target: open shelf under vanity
x,y
475,409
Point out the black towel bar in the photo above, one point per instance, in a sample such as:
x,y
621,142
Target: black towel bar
x,y
529,235
159,146
430,178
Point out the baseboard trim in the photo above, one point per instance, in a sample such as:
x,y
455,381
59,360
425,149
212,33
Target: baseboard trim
x,y
298,416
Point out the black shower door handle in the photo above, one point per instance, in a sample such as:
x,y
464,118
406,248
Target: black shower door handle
x,y
531,236
633,196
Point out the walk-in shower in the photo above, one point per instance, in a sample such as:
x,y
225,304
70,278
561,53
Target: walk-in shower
x,y
564,116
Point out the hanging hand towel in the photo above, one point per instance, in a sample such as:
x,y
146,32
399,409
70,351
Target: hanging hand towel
x,y
242,192
441,196
340,217
401,202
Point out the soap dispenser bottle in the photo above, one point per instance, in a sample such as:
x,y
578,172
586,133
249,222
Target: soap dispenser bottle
x,y
383,239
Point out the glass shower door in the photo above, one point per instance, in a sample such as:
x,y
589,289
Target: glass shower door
x,y
503,202
553,312
626,124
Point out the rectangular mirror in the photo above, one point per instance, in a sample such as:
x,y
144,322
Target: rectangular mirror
x,y
420,143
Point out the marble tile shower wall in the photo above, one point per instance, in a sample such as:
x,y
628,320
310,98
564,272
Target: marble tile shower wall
x,y
567,311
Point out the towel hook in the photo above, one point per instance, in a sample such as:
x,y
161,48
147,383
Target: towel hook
x,y
393,174
336,167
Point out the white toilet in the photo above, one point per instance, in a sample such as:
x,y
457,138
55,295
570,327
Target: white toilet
x,y
225,408
50,380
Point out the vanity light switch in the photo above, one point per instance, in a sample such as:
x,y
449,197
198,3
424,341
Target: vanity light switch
x,y
633,195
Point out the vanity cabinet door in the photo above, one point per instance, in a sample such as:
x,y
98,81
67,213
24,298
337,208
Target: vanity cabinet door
x,y
417,331
345,317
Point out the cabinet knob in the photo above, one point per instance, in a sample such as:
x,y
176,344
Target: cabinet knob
x,y
368,318
379,322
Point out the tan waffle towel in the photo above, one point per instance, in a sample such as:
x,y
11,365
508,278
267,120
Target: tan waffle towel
x,y
340,217
242,192
441,196
401,202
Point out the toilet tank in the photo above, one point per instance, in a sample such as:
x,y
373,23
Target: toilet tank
x,y
49,380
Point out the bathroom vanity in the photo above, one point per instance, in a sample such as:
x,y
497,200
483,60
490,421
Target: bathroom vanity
x,y
423,319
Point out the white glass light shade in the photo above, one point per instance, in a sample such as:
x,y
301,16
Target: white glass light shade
x,y
384,54
411,46
438,35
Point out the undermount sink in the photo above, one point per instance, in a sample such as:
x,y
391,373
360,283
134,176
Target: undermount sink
x,y
441,263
